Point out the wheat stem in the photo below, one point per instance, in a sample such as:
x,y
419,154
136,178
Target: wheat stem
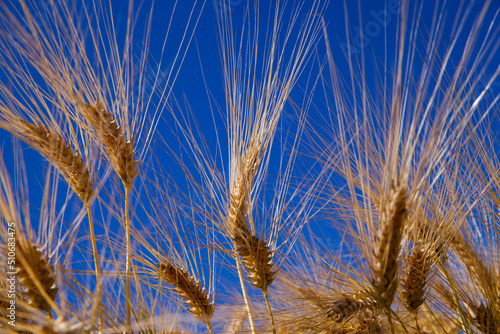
x,y
128,262
97,270
271,317
209,326
244,292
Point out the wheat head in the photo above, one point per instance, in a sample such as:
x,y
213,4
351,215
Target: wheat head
x,y
195,296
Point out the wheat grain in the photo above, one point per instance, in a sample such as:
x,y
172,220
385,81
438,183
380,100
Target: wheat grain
x,y
51,145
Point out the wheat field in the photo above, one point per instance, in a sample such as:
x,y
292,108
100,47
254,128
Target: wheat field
x,y
235,166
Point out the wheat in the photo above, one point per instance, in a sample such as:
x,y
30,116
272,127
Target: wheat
x,y
113,137
346,307
414,281
254,251
31,261
60,154
195,297
486,319
387,247
417,130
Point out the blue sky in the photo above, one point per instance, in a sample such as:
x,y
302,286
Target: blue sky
x,y
201,69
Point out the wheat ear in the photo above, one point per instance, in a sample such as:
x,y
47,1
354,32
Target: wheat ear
x,y
255,252
478,270
195,296
41,290
236,220
414,279
110,133
346,307
61,155
484,318
387,246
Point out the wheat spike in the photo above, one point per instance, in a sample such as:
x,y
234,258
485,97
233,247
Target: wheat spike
x,y
119,149
41,267
23,312
414,279
387,246
238,199
478,270
61,155
484,318
258,261
195,296
254,251
348,306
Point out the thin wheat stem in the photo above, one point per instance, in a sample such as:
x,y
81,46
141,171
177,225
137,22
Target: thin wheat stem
x,y
244,292
271,317
209,326
389,320
128,262
97,271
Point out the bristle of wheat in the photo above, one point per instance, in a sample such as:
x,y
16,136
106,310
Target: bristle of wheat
x,y
414,279
39,264
237,323
478,270
195,296
387,247
62,156
119,149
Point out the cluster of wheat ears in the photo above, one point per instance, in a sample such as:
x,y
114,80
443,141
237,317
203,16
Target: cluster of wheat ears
x,y
371,206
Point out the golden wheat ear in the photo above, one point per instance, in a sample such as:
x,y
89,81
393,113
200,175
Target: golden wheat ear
x,y
257,259
55,149
34,267
114,140
387,246
195,296
346,307
414,281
